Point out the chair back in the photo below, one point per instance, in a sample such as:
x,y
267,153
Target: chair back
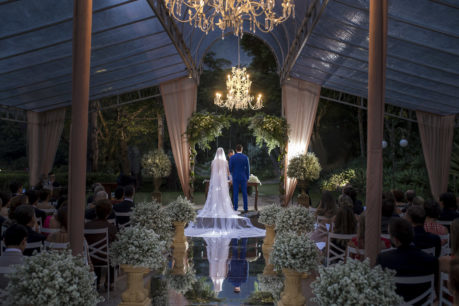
x,y
49,211
56,245
385,236
34,245
430,251
124,214
445,295
354,251
387,250
429,294
6,270
445,248
335,252
98,249
112,221
48,231
312,210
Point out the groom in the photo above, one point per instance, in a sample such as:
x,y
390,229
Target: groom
x,y
240,171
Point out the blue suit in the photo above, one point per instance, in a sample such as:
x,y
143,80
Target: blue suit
x,y
240,171
238,269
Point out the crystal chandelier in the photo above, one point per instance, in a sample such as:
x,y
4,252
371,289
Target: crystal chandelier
x,y
230,14
238,90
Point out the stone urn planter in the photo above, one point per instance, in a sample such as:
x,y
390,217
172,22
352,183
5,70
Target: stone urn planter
x,y
292,296
136,294
303,198
267,248
156,194
179,237
179,265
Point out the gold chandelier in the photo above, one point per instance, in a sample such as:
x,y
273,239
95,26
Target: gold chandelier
x,y
238,90
230,14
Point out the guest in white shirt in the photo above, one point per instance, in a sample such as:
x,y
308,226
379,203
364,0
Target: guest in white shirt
x,y
15,239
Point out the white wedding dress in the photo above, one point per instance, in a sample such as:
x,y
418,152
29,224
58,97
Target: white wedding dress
x,y
218,218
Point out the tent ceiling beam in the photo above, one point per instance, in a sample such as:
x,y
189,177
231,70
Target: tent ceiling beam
x,y
304,31
175,35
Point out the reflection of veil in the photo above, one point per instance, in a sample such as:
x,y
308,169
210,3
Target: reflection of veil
x,y
217,218
217,255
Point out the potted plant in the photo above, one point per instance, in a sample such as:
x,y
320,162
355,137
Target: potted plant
x,y
157,164
294,254
355,283
296,219
271,283
152,216
182,283
305,168
181,211
268,217
137,250
51,278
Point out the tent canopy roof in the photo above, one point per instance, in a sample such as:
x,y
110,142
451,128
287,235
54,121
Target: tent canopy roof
x,y
135,45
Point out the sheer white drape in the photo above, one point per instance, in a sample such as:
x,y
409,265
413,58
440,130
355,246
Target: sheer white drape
x,y
299,107
179,100
437,140
44,132
217,255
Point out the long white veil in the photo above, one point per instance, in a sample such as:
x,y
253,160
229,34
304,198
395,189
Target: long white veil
x,y
217,218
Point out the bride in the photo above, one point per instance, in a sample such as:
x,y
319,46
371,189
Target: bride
x,y
217,218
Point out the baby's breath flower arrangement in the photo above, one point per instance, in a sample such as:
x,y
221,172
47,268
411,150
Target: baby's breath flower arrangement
x,y
304,167
271,283
140,247
253,179
157,164
181,210
296,219
51,278
268,215
182,283
152,216
355,283
296,252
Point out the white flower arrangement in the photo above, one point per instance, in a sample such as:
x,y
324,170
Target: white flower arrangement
x,y
140,247
152,216
355,283
156,163
51,278
296,252
181,210
305,167
254,179
182,283
268,215
271,283
296,219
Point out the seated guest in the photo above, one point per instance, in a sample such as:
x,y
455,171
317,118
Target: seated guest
x,y
357,204
422,239
62,236
345,223
90,213
406,260
43,200
449,207
32,197
399,198
16,189
5,199
418,201
103,208
409,196
126,205
15,238
454,238
119,194
15,203
25,215
96,187
453,283
387,214
327,208
433,210
359,241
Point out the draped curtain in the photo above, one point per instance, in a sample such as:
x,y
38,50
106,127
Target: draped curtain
x,y
179,100
299,107
44,132
437,141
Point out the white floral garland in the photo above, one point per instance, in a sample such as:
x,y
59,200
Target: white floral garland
x,y
140,247
51,278
181,210
296,252
355,283
151,215
268,214
295,218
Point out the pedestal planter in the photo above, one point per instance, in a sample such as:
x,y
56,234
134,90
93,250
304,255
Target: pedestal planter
x,y
267,248
179,237
136,294
180,260
292,296
303,198
156,194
